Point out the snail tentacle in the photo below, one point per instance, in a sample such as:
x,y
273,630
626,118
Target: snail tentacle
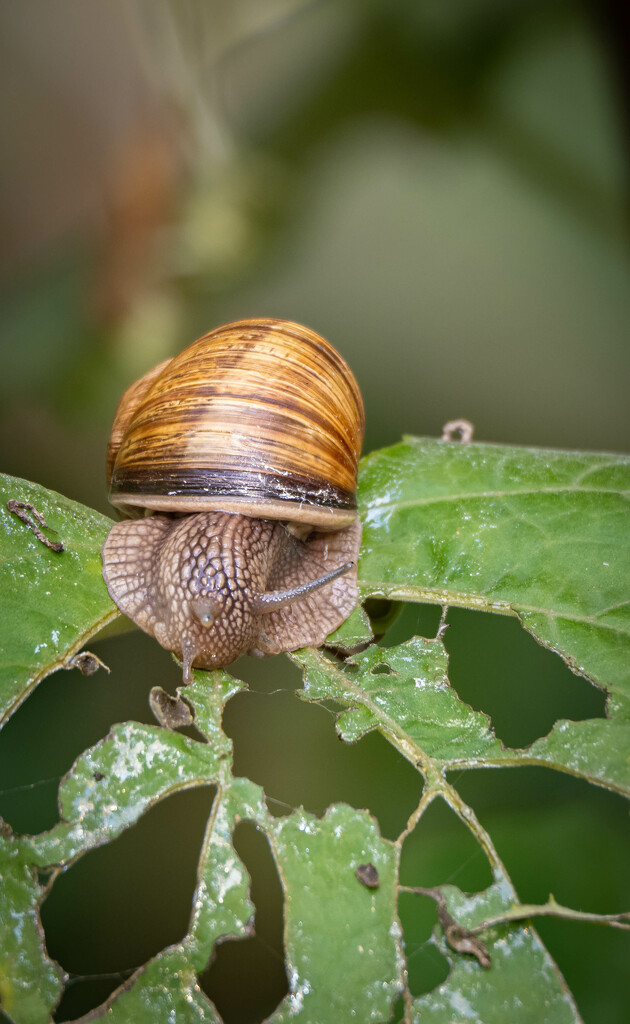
x,y
272,600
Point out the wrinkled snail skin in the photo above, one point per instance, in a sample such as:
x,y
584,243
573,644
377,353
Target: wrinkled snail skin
x,y
214,585
241,454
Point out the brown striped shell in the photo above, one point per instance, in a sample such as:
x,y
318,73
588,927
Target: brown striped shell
x,y
261,417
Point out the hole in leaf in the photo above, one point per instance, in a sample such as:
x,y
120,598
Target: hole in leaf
x,y
68,713
399,1011
383,614
497,667
247,978
559,834
119,905
268,675
414,620
381,670
599,983
555,833
83,993
292,750
441,850
426,966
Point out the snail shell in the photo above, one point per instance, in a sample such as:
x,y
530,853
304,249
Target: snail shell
x,y
253,435
262,417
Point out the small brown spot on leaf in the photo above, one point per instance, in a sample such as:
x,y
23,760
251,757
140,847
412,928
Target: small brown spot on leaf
x,y
368,876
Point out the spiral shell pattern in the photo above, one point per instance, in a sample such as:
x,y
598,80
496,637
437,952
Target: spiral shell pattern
x,y
262,417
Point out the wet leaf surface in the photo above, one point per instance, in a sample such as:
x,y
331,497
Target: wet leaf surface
x,y
404,693
524,531
51,602
328,911
30,983
539,535
523,984
164,989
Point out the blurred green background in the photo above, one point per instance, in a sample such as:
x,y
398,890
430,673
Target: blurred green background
x,y
441,189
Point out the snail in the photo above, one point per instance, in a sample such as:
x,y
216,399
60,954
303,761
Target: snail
x,y
236,464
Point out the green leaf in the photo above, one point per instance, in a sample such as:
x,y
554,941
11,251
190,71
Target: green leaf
x,y
475,525
342,938
165,989
415,693
51,602
30,983
404,693
354,632
357,971
522,985
595,749
530,532
113,783
221,904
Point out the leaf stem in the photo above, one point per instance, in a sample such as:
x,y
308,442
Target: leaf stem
x,y
433,595
428,796
552,908
466,814
524,911
432,770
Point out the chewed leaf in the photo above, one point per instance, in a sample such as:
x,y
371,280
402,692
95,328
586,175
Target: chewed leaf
x,y
409,684
116,781
354,632
164,989
595,749
342,938
30,983
522,984
539,535
51,602
536,533
404,693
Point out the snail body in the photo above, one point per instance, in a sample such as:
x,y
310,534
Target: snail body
x,y
241,454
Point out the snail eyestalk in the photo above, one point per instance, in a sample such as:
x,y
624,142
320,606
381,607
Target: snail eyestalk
x,y
275,599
